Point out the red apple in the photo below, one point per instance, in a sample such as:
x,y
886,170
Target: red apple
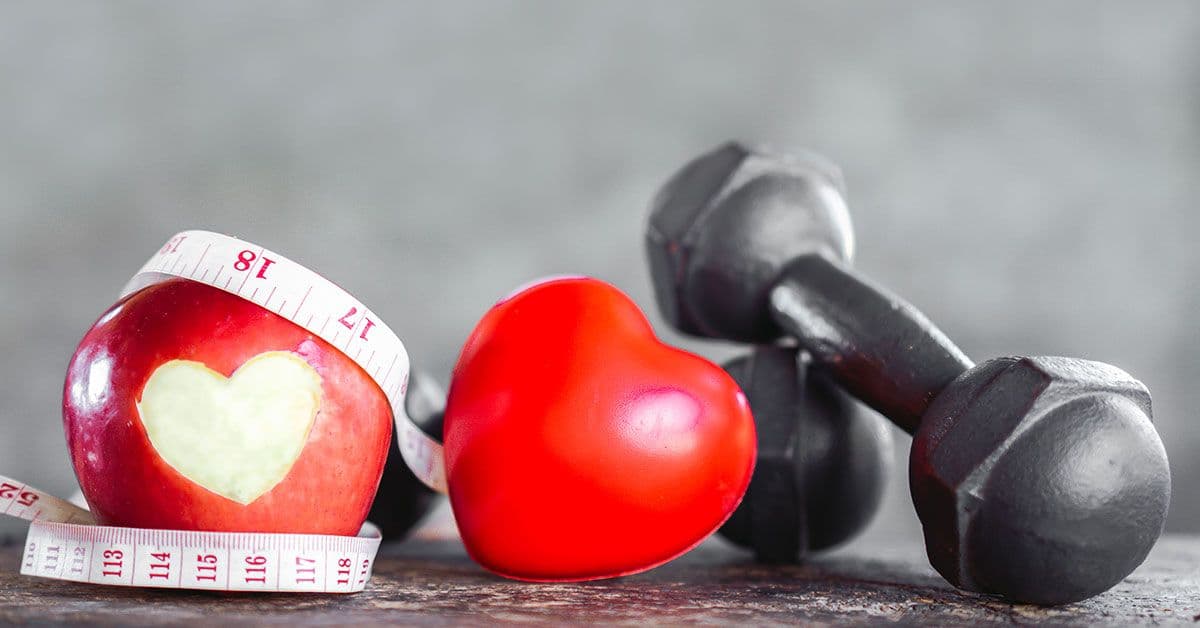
x,y
578,446
189,408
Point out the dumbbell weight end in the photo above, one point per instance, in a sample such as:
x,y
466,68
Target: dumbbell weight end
x,y
822,459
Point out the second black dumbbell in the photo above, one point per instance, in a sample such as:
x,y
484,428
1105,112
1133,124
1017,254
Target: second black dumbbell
x,y
822,459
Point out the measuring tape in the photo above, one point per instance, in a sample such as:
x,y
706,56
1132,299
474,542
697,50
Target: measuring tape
x,y
312,302
64,542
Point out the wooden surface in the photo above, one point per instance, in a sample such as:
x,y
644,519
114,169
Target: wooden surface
x,y
432,582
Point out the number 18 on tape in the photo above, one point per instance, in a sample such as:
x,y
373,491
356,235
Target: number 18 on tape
x,y
258,422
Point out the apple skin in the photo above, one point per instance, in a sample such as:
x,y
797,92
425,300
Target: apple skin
x,y
328,489
580,447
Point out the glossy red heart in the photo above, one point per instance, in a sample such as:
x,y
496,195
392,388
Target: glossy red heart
x,y
578,446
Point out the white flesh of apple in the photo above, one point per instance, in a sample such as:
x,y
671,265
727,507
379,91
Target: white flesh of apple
x,y
239,436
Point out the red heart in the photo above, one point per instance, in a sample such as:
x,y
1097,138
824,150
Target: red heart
x,y
578,446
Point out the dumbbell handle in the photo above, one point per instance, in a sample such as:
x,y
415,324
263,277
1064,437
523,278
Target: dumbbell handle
x,y
879,347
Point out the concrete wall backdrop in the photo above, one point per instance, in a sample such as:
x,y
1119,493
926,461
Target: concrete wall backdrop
x,y
1026,173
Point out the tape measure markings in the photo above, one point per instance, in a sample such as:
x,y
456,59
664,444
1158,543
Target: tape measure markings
x,y
200,261
359,327
201,560
302,300
14,493
63,540
58,548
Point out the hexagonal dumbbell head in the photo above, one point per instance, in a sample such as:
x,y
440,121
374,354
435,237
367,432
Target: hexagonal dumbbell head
x,y
822,459
1040,478
724,226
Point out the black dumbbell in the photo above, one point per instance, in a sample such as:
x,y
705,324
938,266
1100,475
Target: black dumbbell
x,y
1040,479
402,500
821,461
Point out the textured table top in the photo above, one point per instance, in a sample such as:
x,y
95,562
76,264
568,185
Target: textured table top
x,y
429,582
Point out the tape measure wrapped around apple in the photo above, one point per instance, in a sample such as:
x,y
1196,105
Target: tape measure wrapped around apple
x,y
234,392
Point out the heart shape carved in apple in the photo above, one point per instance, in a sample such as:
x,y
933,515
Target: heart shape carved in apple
x,y
578,446
239,436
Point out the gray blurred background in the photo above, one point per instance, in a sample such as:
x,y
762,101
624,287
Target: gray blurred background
x,y
1024,172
